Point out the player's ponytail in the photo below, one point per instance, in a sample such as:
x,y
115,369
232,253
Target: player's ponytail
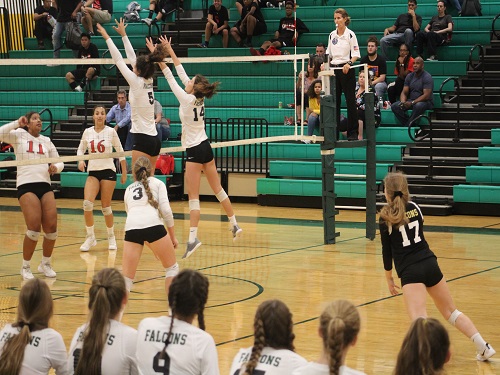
x,y
145,64
397,195
203,88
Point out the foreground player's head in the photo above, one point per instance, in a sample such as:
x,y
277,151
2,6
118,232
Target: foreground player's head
x,y
396,186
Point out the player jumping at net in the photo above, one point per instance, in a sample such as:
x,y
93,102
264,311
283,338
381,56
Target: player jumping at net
x,y
200,157
34,191
100,139
141,95
402,236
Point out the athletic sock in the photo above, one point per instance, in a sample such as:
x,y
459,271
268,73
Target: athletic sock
x,y
111,231
90,231
232,220
45,260
193,233
73,85
150,15
478,341
26,263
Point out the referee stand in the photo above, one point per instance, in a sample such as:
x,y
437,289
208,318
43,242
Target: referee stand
x,y
328,129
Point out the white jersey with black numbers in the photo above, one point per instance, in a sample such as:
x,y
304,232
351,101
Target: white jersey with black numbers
x,y
101,142
271,362
45,350
140,214
314,368
118,356
191,109
141,94
191,351
27,147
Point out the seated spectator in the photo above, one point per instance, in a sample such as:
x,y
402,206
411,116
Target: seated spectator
x,y
313,68
425,348
162,8
66,12
239,6
94,12
273,338
313,111
217,23
91,351
121,114
320,49
403,66
456,4
162,124
360,105
435,33
416,94
338,328
83,73
377,67
17,355
403,30
289,30
251,23
44,17
197,354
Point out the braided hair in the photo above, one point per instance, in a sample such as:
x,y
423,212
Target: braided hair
x,y
142,171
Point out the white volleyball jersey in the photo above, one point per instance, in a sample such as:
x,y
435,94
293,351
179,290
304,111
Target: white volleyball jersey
x,y
140,95
118,356
271,362
27,147
191,350
140,214
314,368
100,143
46,350
191,109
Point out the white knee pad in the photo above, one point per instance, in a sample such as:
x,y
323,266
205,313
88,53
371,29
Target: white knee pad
x,y
194,205
172,271
128,283
51,236
221,195
88,205
107,211
454,316
32,235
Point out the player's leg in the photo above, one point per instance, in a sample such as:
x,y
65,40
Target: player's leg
x,y
49,225
414,295
107,189
90,192
31,208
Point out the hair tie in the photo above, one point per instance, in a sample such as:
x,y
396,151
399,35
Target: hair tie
x,y
23,324
397,194
141,169
102,286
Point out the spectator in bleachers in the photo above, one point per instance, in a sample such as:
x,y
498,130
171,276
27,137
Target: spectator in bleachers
x,y
457,5
436,32
162,8
425,348
289,30
44,15
251,23
403,66
339,326
120,113
94,12
29,346
416,95
239,6
83,73
403,30
313,110
162,124
103,345
273,338
172,344
217,24
377,67
313,68
67,11
360,105
320,49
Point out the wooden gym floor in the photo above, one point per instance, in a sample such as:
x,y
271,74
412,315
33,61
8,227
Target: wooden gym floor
x,y
281,255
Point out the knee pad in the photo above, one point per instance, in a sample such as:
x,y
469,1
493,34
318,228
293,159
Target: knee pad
x,y
194,205
172,271
128,283
32,235
221,195
88,205
454,316
107,211
51,236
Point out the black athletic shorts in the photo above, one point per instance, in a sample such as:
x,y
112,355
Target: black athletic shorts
x,y
79,74
148,144
37,188
150,234
285,42
105,174
426,271
200,154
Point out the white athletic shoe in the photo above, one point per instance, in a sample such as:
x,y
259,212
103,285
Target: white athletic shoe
x,y
112,243
191,248
236,230
78,88
90,241
26,273
46,269
147,21
486,354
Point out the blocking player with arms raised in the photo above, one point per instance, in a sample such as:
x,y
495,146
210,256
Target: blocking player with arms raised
x,y
34,190
401,232
200,157
100,139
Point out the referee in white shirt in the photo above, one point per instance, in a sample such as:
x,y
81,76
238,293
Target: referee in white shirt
x,y
343,50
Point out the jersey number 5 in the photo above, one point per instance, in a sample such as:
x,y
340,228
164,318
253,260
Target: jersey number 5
x,y
161,365
413,225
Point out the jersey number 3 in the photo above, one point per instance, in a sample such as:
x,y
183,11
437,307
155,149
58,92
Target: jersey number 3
x,y
413,225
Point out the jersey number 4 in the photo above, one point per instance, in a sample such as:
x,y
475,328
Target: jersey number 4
x,y
413,225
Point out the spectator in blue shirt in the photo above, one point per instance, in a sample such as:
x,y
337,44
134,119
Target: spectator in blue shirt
x,y
120,113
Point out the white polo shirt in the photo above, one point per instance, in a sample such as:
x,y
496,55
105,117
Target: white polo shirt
x,y
342,48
